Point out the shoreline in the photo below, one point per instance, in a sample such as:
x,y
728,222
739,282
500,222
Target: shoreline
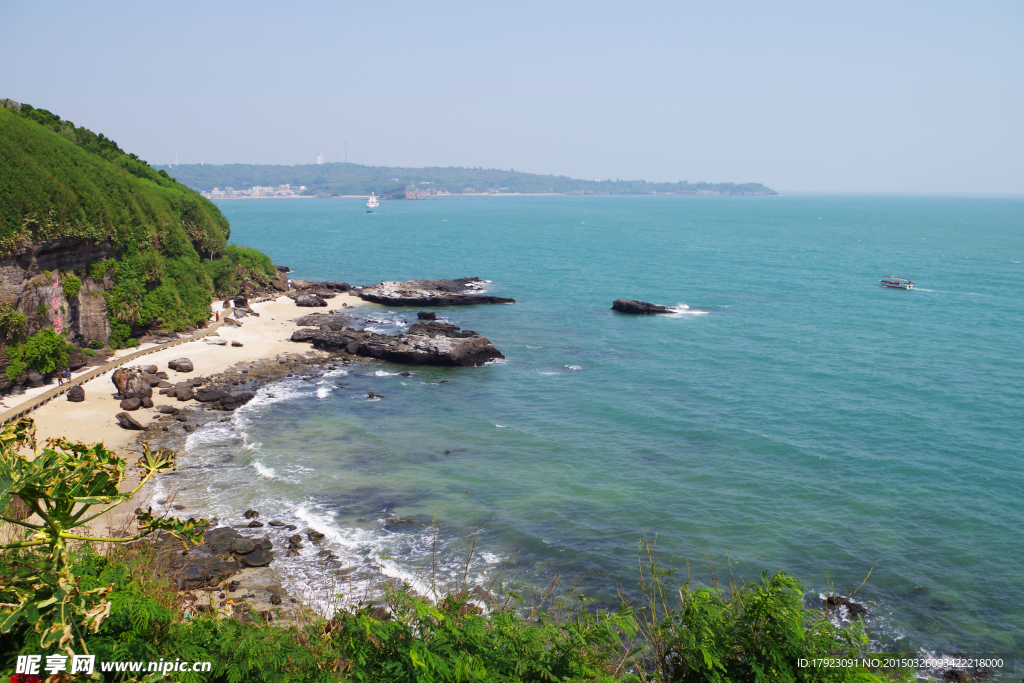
x,y
93,420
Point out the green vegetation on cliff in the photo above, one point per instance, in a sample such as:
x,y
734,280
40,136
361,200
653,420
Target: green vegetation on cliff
x,y
169,243
342,179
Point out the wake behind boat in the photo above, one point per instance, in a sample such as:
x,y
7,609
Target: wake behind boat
x,y
896,282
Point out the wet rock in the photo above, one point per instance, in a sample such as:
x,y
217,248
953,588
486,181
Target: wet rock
x,y
459,292
242,546
237,400
76,394
251,514
265,543
634,306
168,410
210,394
128,422
315,536
258,558
397,524
275,599
426,315
431,343
131,384
254,524
295,539
835,601
131,404
310,300
275,522
188,428
181,365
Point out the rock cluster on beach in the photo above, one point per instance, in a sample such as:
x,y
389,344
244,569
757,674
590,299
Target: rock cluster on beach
x,y
634,306
461,292
426,343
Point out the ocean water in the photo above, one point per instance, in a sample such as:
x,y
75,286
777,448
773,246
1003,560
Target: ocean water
x,y
792,414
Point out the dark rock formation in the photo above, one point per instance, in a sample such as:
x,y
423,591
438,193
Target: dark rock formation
x,y
131,404
303,335
834,602
426,315
77,360
76,394
236,400
236,343
168,410
251,514
131,384
128,422
426,343
210,394
634,306
34,380
310,300
431,343
430,293
183,392
181,365
206,565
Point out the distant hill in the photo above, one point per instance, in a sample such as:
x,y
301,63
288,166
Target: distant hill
x,y
342,178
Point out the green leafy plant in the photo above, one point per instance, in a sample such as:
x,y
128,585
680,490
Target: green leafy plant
x,y
61,484
71,285
44,352
12,323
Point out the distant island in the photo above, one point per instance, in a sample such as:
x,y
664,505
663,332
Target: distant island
x,y
340,179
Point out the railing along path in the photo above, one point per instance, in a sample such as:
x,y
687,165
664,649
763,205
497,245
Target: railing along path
x,y
28,406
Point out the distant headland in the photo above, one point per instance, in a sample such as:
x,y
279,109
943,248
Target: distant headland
x,y
346,179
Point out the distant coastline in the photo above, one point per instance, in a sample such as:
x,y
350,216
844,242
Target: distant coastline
x,y
232,181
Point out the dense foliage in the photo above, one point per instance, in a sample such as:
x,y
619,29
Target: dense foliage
x,y
44,352
341,179
170,244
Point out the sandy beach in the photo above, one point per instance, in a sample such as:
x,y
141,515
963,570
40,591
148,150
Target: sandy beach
x,y
93,421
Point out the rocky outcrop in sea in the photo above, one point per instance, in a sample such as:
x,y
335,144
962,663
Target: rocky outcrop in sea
x,y
641,307
461,292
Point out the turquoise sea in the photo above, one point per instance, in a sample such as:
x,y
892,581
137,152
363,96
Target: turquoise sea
x,y
795,416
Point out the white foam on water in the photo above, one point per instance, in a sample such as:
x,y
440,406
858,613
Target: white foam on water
x,y
500,426
573,368
323,391
490,558
374,399
682,309
497,361
385,373
547,374
263,470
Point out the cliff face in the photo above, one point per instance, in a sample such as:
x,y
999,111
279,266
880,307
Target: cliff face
x,y
29,282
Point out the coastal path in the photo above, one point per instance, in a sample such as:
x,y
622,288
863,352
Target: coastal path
x,y
27,407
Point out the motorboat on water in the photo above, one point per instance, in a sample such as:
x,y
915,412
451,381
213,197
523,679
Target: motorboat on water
x,y
896,282
372,203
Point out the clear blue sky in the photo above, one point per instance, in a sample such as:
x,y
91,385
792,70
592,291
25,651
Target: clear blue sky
x,y
803,96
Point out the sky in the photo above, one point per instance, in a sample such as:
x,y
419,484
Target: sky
x,y
915,97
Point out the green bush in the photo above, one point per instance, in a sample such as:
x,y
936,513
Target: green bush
x,y
12,323
44,352
71,285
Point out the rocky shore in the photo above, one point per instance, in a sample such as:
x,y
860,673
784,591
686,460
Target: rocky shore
x,y
427,293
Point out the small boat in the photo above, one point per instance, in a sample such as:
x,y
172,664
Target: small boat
x,y
372,203
897,282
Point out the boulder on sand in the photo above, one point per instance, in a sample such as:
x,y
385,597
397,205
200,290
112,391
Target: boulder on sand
x,y
76,394
634,306
181,365
131,404
131,384
128,422
310,300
